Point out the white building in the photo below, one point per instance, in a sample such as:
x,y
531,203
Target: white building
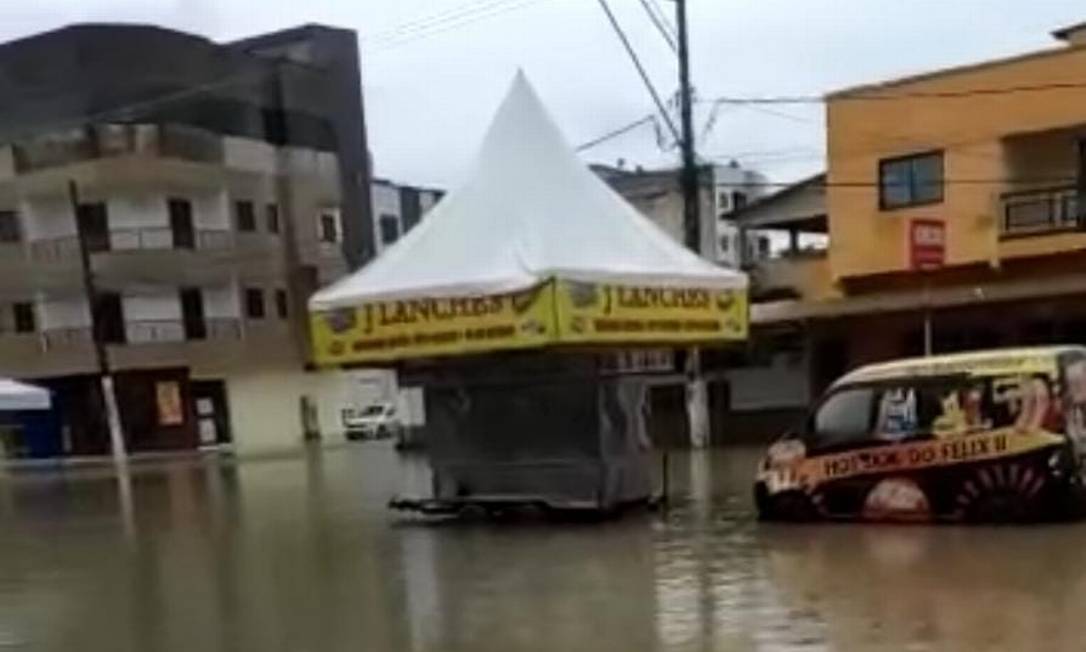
x,y
734,188
397,208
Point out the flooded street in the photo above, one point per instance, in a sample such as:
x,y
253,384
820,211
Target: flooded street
x,y
301,554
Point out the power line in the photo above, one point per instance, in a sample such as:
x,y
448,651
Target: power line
x,y
423,22
489,11
640,69
947,182
888,96
663,19
660,26
615,133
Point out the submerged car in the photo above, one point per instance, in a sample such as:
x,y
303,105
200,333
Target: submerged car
x,y
991,436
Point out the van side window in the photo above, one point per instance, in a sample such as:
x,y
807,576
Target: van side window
x,y
843,418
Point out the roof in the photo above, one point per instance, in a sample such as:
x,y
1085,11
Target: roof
x,y
1064,32
530,212
20,396
845,93
762,203
984,363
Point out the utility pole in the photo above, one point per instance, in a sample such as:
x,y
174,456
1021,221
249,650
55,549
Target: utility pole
x,y
697,398
109,396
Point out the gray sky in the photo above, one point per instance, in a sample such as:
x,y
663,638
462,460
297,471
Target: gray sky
x,y
431,89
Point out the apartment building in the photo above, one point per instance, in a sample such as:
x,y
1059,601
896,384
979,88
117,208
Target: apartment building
x,y
397,208
215,186
722,189
994,153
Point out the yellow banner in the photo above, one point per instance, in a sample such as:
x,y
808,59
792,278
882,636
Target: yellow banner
x,y
591,313
1004,442
552,313
391,330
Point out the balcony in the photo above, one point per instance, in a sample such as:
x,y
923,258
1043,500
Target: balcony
x,y
1041,212
145,331
117,140
803,274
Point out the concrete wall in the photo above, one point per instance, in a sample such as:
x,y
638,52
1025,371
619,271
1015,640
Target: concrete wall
x,y
222,302
265,410
210,210
46,218
64,312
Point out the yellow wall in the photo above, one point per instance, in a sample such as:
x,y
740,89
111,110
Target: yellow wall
x,y
984,138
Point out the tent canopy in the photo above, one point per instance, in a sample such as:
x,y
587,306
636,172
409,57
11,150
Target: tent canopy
x,y
529,212
20,396
532,250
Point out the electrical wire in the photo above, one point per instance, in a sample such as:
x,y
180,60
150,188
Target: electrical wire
x,y
660,26
890,96
640,69
615,133
490,11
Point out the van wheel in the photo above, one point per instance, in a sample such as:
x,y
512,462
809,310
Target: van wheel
x,y
1001,493
794,506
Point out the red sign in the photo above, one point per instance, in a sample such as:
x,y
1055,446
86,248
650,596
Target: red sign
x,y
927,244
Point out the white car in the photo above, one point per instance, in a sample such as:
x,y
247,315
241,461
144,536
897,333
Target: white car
x,y
377,421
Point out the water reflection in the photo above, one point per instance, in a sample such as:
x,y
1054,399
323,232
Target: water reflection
x,y
301,554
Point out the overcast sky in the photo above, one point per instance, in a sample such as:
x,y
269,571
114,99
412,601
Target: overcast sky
x,y
435,70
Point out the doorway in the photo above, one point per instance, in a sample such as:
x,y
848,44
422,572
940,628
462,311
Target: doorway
x,y
93,225
192,314
212,412
184,236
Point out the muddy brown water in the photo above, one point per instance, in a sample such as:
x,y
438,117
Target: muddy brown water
x,y
300,554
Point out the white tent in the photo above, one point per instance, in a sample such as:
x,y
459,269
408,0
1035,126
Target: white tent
x,y
20,396
530,211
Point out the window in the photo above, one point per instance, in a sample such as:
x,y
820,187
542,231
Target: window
x,y
272,214
281,306
254,303
911,180
9,226
328,230
843,418
723,205
24,317
739,201
390,229
245,216
725,243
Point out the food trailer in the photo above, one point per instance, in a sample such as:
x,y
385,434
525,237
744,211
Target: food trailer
x,y
509,303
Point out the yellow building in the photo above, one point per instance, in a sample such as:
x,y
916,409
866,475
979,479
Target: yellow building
x,y
996,151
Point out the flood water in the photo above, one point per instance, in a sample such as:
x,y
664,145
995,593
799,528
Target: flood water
x,y
300,554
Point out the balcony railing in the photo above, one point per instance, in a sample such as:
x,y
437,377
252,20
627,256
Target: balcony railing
x,y
147,331
1039,212
146,238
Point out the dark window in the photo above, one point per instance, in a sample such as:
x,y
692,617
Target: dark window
x,y
328,227
192,314
9,226
254,303
843,418
911,180
390,229
184,236
109,318
245,216
273,218
410,207
281,306
93,225
739,200
24,317
725,243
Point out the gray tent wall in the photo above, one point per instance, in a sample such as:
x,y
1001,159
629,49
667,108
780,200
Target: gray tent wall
x,y
545,428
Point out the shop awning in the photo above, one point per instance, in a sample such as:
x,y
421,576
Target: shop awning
x,y
20,396
532,249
